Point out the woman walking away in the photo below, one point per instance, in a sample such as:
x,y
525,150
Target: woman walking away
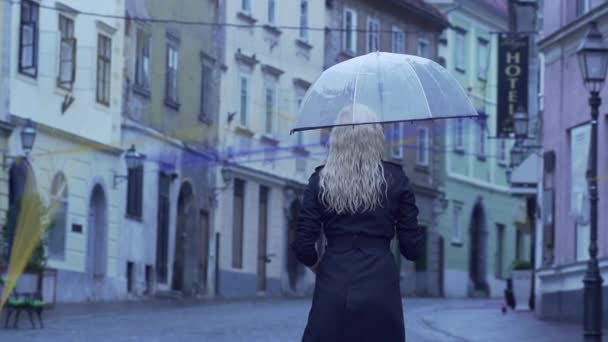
x,y
360,202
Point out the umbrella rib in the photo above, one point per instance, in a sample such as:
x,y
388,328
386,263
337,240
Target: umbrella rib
x,y
355,92
428,106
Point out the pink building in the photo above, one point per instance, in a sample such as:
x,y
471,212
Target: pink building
x,y
563,238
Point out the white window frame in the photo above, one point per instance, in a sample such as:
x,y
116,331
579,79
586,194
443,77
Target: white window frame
x,y
459,134
67,53
142,58
304,9
373,34
244,117
246,6
172,70
422,147
270,116
396,46
427,45
460,50
483,62
396,142
586,7
458,223
349,34
272,11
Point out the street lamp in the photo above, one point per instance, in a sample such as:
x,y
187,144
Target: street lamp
x,y
517,155
134,160
593,61
520,124
28,136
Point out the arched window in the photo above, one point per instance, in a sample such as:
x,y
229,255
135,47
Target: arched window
x,y
58,223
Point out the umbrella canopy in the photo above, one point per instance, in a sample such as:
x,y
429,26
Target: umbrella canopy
x,y
395,87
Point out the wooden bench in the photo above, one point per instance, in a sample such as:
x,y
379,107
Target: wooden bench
x,y
30,302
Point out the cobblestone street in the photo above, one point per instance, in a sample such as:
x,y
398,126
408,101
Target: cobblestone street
x,y
276,320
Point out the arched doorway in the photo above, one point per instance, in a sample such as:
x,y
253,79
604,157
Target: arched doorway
x,y
478,252
97,241
185,220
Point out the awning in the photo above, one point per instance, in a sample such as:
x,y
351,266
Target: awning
x,y
525,177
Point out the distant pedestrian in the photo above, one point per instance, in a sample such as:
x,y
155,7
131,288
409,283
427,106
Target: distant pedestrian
x,y
360,202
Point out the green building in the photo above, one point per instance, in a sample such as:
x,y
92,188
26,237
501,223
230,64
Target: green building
x,y
480,222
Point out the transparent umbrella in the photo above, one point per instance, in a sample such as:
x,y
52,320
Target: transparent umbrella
x,y
396,87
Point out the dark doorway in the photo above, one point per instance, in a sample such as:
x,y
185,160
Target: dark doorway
x,y
293,267
204,261
478,252
162,237
97,240
262,239
185,211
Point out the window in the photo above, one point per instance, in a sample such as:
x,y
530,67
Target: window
x,y
482,59
304,19
582,7
422,148
396,140
481,143
349,29
271,11
58,226
28,38
423,48
244,99
135,191
67,53
238,223
502,152
398,41
270,107
459,134
460,50
206,92
104,65
373,36
171,92
299,135
246,6
519,244
142,61
457,233
500,250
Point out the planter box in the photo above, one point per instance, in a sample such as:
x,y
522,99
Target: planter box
x,y
522,289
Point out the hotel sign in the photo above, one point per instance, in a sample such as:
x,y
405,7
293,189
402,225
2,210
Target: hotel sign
x,y
512,80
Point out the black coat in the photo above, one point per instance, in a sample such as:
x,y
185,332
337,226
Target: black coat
x,y
357,295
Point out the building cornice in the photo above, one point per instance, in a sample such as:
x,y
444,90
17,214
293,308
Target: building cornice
x,y
69,136
129,124
573,28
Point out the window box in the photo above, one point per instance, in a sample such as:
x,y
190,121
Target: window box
x,y
246,17
303,44
141,91
272,29
172,104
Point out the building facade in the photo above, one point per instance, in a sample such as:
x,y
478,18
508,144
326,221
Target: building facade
x,y
70,64
563,238
5,127
479,221
270,61
171,101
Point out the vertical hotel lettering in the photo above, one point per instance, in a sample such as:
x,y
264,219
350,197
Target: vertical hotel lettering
x,y
512,80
